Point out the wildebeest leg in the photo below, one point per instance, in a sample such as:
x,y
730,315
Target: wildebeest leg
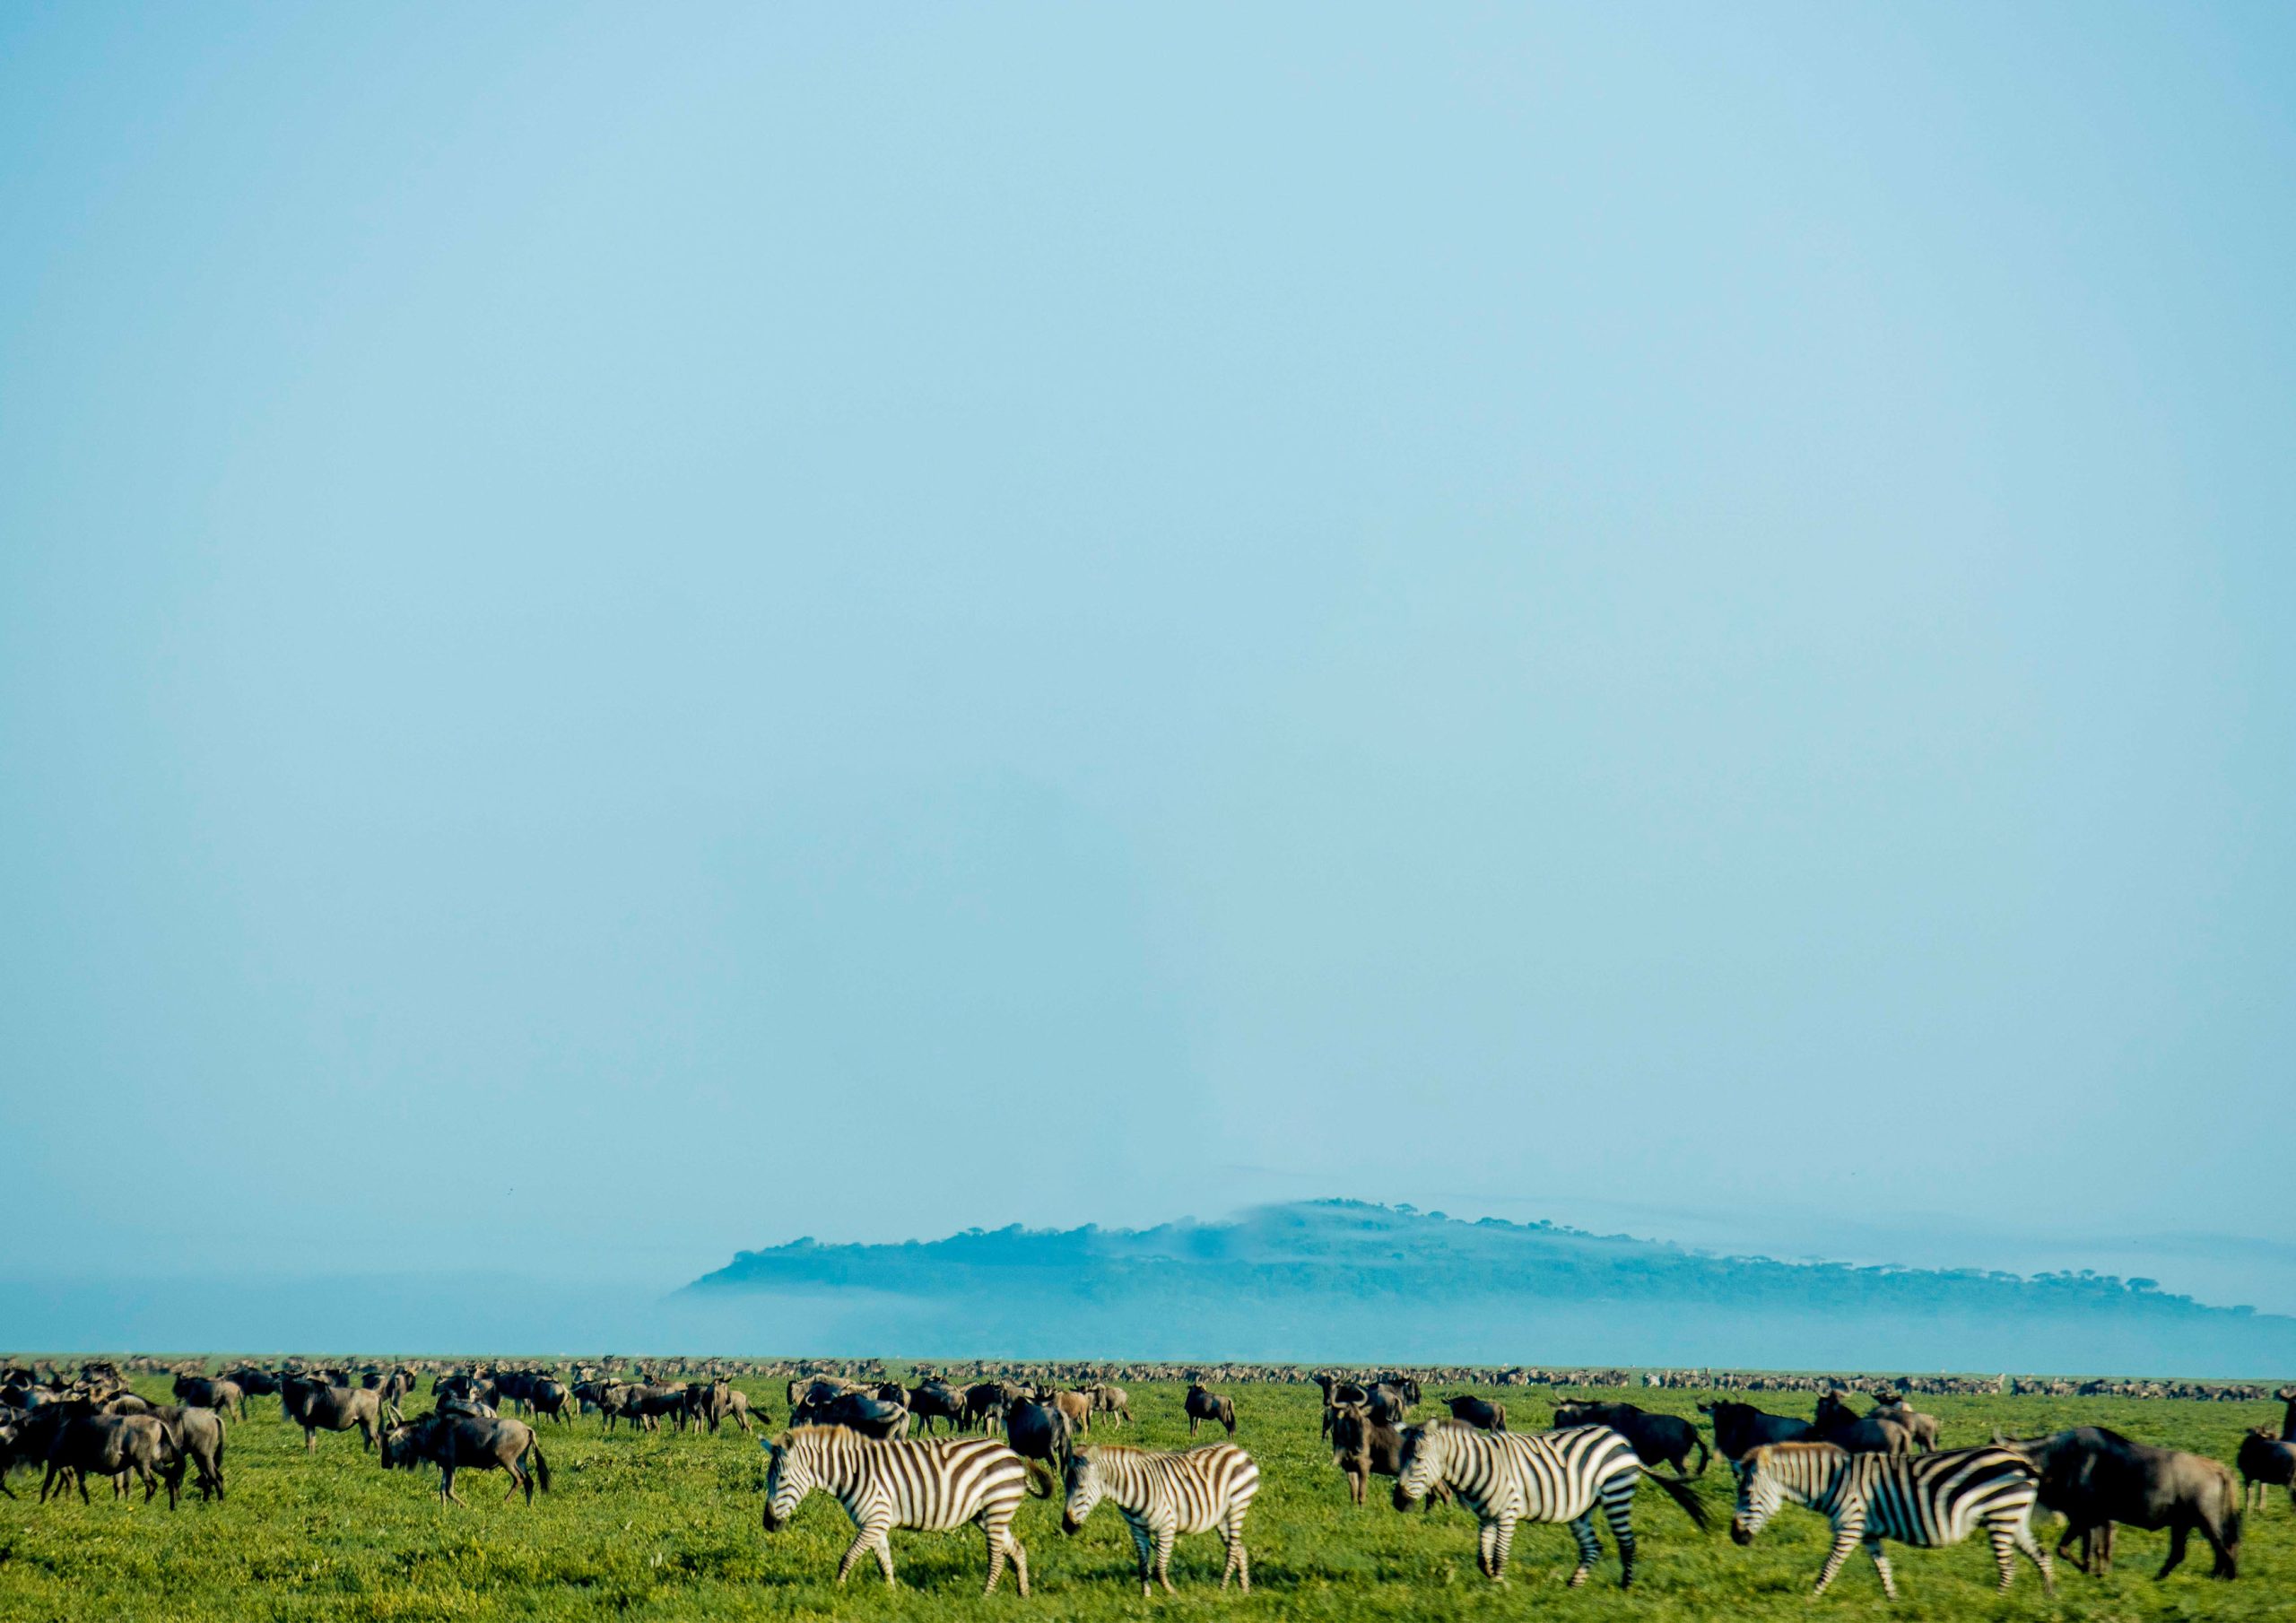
x,y
2178,1535
2226,1565
310,1438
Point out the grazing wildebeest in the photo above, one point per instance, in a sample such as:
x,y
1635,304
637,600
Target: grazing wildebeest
x,y
1844,1427
2096,1478
1202,1404
1658,1439
467,1442
864,1413
935,1400
1738,1427
2265,1462
196,1435
1076,1405
1040,1431
1923,1428
219,1394
1479,1413
112,1446
1363,1448
316,1407
1388,1402
1112,1400
254,1381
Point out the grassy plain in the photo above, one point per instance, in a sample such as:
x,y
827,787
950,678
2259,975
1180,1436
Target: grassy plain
x,y
665,1526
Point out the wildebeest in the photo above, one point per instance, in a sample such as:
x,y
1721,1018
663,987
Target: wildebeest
x,y
861,1411
1201,1404
1658,1440
466,1442
1478,1413
256,1383
112,1446
196,1435
1076,1405
1112,1400
1843,1427
935,1400
1389,1402
1925,1428
219,1394
985,1403
2096,1478
2265,1462
1363,1447
316,1407
1738,1427
1040,1431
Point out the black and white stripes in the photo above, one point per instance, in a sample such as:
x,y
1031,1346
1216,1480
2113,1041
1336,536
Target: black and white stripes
x,y
1924,1500
934,1486
1557,1476
1163,1495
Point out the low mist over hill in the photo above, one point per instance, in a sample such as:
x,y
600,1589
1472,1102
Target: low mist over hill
x,y
1344,1280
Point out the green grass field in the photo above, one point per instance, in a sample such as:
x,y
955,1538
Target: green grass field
x,y
668,1526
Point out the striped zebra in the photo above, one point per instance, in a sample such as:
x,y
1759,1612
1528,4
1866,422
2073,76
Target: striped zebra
x,y
1163,1495
1926,1500
1505,1477
934,1486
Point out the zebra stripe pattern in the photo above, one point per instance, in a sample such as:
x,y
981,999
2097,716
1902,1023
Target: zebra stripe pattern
x,y
1925,1500
928,1486
1163,1495
1505,1477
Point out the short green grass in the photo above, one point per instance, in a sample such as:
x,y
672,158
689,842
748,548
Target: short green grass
x,y
665,1526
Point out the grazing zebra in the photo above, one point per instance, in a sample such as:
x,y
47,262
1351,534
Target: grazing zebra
x,y
1163,1495
934,1486
1505,1477
1928,1500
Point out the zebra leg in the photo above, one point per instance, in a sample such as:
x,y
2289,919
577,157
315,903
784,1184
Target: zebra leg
x,y
1145,1547
1618,1510
1237,1562
997,1536
2022,1534
1499,1546
1590,1549
1164,1558
1020,1561
1881,1565
1845,1539
1486,1541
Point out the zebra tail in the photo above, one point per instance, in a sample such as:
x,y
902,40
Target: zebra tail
x,y
1041,1481
1681,1492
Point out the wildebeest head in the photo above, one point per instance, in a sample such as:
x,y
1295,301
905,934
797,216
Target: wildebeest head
x,y
1572,1411
1083,1490
403,1446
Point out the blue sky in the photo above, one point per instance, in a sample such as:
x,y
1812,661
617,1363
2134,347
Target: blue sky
x,y
626,633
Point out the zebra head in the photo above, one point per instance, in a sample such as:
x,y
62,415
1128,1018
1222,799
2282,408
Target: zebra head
x,y
1084,1490
1424,1466
788,1480
1760,1493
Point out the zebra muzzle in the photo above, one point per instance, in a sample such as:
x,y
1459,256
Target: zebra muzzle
x,y
1741,1535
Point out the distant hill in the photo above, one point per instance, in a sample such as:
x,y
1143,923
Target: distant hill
x,y
1345,1279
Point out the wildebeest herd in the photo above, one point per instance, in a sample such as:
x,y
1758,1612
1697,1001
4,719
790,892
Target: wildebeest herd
x,y
940,1454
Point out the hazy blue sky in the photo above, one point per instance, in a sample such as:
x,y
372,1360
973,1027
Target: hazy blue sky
x,y
629,631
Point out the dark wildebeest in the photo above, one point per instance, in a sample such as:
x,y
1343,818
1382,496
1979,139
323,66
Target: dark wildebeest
x,y
1658,1439
254,1381
548,1395
2095,1478
864,1413
935,1400
112,1446
1202,1404
1388,1402
195,1434
2264,1462
1479,1413
467,1443
1841,1425
1040,1431
1738,1427
1111,1401
986,1401
316,1407
1363,1447
219,1394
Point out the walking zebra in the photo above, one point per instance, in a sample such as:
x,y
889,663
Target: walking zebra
x,y
1505,1477
1928,1500
1163,1495
932,1486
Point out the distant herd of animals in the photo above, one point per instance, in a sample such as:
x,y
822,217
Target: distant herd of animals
x,y
1878,1477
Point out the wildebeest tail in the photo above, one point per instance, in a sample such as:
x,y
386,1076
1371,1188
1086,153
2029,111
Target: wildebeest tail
x,y
1703,1456
1681,1492
542,1466
1040,1479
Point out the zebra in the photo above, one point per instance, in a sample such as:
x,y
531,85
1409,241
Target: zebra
x,y
936,1486
1925,1500
1163,1495
1505,1477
